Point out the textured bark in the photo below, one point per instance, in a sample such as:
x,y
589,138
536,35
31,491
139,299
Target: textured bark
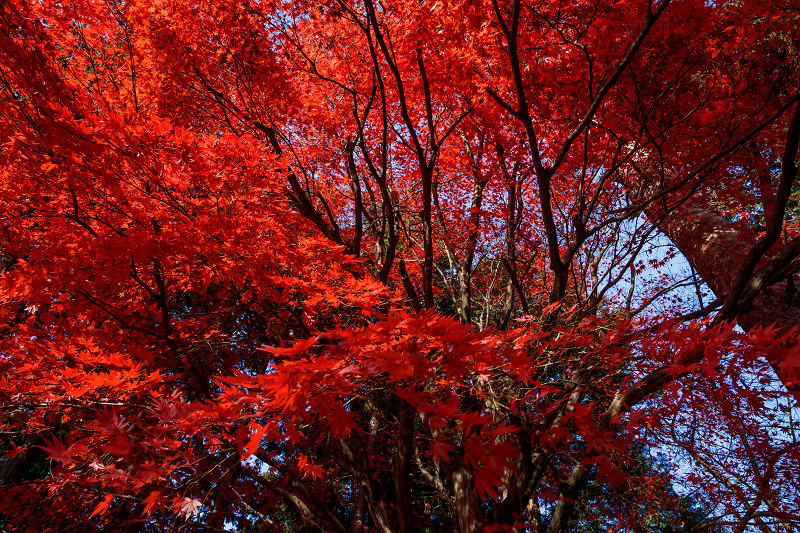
x,y
402,470
717,250
465,501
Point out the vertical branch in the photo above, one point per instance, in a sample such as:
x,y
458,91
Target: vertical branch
x,y
522,113
402,469
465,270
427,237
425,164
513,219
355,245
388,223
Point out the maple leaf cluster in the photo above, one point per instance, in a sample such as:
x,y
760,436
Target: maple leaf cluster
x,y
442,265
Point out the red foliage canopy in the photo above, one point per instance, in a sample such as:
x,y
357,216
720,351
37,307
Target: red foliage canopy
x,y
334,266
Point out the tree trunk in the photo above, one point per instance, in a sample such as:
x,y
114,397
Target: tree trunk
x,y
716,250
465,501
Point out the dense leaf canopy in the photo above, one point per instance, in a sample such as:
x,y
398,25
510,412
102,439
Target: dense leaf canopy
x,y
445,265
